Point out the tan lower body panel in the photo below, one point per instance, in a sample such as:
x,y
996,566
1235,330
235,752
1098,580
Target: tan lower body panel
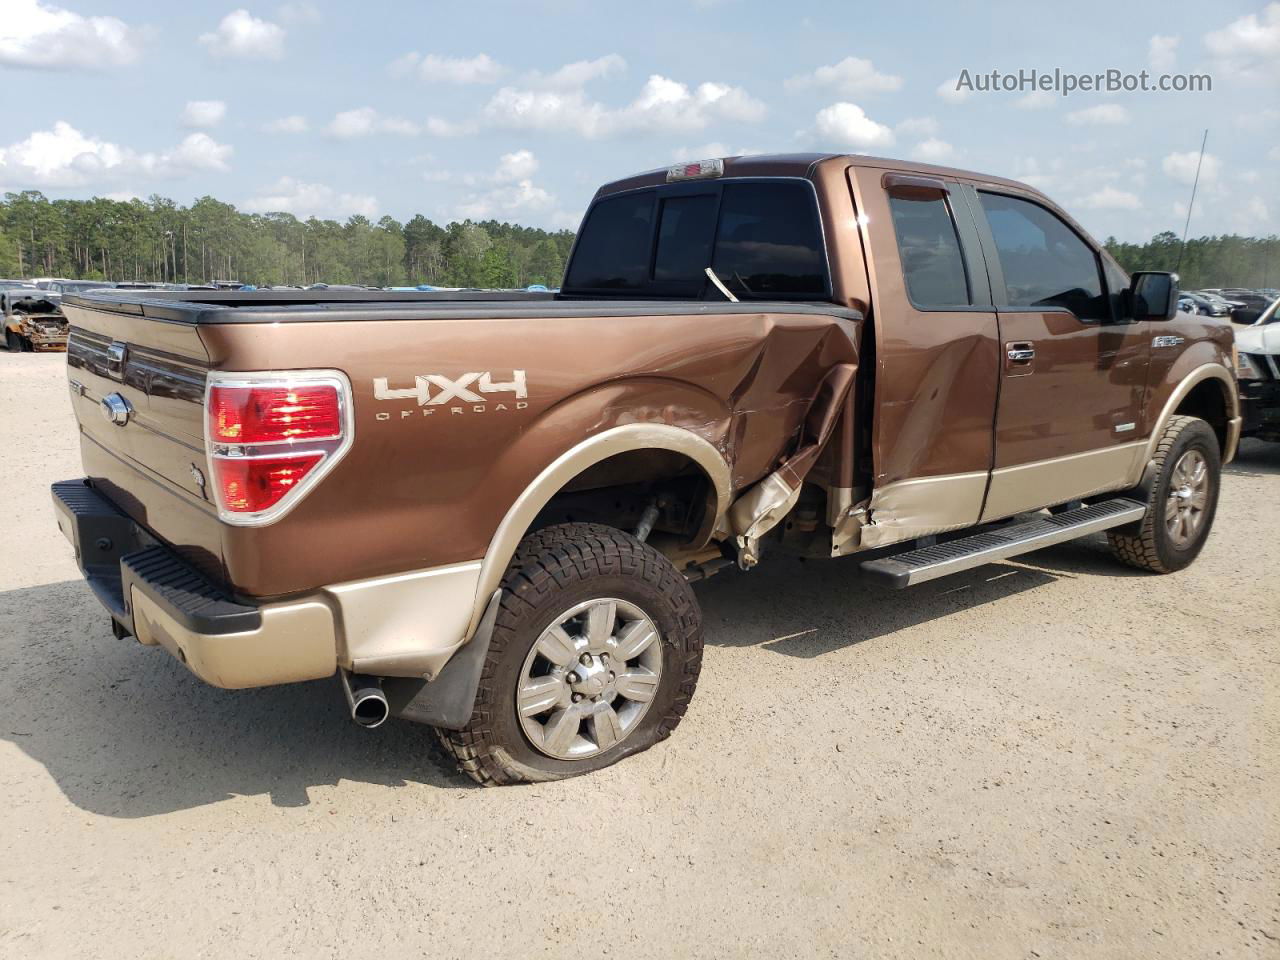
x,y
1030,486
920,508
295,642
407,625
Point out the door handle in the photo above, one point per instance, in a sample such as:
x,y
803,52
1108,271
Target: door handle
x,y
1021,353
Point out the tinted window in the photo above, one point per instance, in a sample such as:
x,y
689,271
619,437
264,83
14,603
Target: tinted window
x,y
930,250
613,250
1045,262
684,238
769,242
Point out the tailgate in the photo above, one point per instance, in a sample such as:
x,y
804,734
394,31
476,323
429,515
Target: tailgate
x,y
149,460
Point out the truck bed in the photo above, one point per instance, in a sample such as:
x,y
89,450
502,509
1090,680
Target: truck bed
x,y
282,306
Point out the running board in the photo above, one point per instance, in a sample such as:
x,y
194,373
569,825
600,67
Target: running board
x,y
929,563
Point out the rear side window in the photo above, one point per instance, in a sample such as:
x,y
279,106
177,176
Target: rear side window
x,y
769,242
613,251
1045,263
929,248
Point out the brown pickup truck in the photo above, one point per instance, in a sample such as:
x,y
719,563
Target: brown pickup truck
x,y
484,511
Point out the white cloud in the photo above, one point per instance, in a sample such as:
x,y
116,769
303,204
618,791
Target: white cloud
x,y
1035,100
846,125
852,77
243,36
299,12
1182,167
662,106
933,150
294,123
1104,114
65,157
1110,198
457,70
289,195
1162,52
204,113
948,92
365,122
438,127
1249,47
34,34
579,73
519,165
520,199
917,127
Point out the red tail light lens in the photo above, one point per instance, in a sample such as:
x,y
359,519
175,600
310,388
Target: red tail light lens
x,y
271,414
251,486
272,437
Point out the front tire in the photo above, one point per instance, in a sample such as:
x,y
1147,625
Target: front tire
x,y
594,656
1183,501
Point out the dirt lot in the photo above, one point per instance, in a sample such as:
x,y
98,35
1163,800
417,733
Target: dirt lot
x,y
1056,758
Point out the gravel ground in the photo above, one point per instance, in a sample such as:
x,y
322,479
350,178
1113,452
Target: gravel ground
x,y
1051,758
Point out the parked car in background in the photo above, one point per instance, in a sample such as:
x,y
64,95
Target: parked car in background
x,y
1205,306
1258,367
33,320
62,287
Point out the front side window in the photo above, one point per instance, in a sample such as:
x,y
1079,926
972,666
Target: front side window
x,y
1045,263
929,248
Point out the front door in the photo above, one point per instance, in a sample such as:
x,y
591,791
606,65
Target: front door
x,y
1073,371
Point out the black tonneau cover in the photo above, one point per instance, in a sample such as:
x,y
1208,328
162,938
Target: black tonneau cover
x,y
282,306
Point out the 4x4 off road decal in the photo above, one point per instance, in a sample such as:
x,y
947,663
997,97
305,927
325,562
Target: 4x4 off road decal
x,y
469,393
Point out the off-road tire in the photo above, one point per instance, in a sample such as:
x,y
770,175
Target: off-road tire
x,y
553,569
1149,547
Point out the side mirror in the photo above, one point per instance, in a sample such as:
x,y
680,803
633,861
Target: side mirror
x,y
1153,295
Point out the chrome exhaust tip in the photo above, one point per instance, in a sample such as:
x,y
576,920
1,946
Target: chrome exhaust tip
x,y
365,699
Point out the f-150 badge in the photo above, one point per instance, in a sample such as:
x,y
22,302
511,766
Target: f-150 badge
x,y
469,393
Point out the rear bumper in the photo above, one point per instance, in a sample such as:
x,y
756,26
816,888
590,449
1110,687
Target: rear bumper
x,y
154,595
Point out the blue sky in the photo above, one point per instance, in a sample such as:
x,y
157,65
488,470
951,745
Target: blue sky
x,y
518,110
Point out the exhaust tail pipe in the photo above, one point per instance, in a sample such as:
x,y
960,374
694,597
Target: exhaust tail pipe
x,y
365,698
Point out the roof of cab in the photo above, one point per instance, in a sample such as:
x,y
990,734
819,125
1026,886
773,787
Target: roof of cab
x,y
802,165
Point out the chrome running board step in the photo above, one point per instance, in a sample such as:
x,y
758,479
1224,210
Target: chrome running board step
x,y
929,563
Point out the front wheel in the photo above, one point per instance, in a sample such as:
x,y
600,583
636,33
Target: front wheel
x,y
1184,499
594,656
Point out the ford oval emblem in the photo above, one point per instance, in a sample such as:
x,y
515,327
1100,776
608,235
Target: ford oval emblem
x,y
116,409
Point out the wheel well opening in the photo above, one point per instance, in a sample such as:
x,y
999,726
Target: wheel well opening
x,y
616,491
1208,401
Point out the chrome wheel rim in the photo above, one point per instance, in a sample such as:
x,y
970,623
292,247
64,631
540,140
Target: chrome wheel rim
x,y
1189,488
589,679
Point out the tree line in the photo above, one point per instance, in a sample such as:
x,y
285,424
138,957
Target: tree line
x,y
1225,261
159,240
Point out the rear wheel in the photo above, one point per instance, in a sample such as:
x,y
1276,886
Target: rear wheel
x,y
594,656
1183,501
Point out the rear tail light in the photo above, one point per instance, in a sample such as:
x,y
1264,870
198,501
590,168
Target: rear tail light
x,y
272,437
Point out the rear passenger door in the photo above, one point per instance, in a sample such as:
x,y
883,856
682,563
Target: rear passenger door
x,y
937,355
1073,369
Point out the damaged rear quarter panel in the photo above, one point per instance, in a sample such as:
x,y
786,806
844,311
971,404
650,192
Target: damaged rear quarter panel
x,y
428,484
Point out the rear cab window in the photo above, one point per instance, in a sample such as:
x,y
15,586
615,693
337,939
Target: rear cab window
x,y
762,238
